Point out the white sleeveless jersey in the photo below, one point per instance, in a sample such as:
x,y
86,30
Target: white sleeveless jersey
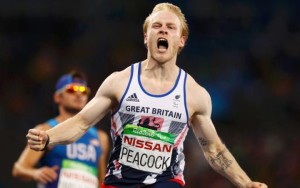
x,y
148,132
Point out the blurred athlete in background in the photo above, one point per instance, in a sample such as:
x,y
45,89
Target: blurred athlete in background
x,y
80,164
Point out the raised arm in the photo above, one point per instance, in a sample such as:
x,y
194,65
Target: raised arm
x,y
215,151
73,128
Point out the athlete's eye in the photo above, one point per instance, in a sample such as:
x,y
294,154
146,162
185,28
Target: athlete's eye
x,y
156,25
171,27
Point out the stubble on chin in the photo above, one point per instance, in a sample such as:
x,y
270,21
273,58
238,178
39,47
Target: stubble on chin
x,y
72,110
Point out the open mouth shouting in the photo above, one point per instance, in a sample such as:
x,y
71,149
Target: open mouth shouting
x,y
162,44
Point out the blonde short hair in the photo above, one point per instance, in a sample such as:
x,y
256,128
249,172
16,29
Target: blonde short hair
x,y
174,9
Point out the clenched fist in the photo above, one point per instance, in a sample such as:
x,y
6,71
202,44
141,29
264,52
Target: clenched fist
x,y
37,140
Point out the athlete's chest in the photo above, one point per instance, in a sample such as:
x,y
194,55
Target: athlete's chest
x,y
156,86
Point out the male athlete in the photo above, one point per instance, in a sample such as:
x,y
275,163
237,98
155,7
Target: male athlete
x,y
80,164
153,105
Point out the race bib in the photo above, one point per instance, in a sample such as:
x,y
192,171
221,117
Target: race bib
x,y
77,175
146,149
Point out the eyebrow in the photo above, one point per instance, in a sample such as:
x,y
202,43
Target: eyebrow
x,y
160,23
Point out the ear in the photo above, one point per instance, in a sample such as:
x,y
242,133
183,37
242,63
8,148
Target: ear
x,y
145,39
182,41
56,98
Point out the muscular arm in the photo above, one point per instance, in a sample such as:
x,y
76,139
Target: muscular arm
x,y
73,128
215,151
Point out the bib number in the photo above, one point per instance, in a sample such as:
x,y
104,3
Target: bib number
x,y
145,149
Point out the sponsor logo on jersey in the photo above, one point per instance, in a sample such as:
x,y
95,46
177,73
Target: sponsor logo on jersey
x,y
145,149
133,98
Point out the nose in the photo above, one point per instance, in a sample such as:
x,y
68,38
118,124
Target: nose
x,y
78,93
163,30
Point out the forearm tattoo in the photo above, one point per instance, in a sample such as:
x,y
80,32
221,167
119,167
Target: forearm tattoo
x,y
220,160
202,141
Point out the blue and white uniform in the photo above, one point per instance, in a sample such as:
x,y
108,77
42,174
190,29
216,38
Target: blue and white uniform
x,y
78,162
148,132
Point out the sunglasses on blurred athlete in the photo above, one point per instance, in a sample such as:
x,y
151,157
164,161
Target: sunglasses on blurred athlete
x,y
72,88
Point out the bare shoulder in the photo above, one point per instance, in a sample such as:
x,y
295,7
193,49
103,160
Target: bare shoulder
x,y
198,98
115,84
121,76
194,89
116,78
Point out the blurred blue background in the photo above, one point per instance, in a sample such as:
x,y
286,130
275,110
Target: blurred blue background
x,y
244,52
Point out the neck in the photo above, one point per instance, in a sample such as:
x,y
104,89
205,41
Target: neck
x,y
159,71
65,114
